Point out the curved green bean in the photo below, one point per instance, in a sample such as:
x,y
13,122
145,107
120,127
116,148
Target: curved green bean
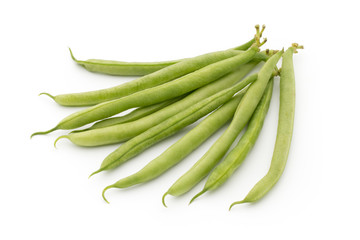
x,y
284,131
183,147
120,68
221,146
151,80
234,159
148,81
159,93
170,126
123,132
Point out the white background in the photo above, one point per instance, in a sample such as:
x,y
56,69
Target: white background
x,y
45,193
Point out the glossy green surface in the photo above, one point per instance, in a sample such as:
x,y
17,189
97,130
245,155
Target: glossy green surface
x,y
170,126
157,94
183,147
284,131
243,114
122,132
237,155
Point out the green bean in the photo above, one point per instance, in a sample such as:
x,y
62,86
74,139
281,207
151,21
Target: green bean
x,y
284,131
220,147
170,126
120,68
183,147
158,94
151,80
148,81
234,159
136,114
122,132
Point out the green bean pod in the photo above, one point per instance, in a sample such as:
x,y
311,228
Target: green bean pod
x,y
123,132
170,126
183,147
242,115
284,131
235,158
157,94
132,116
120,68
146,82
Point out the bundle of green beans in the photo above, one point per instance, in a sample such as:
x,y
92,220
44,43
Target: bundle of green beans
x,y
171,95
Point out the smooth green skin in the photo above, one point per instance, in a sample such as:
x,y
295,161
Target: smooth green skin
x,y
151,80
235,158
148,81
182,148
123,132
170,126
246,45
132,116
119,68
284,131
156,94
242,116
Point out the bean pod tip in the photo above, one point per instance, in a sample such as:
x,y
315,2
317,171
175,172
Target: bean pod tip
x,y
236,203
163,199
47,94
44,132
103,193
96,172
197,195
72,55
56,140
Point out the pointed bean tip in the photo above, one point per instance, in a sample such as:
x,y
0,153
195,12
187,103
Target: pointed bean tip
x,y
103,193
47,94
96,172
163,199
36,133
56,140
197,195
236,203
44,132
72,55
